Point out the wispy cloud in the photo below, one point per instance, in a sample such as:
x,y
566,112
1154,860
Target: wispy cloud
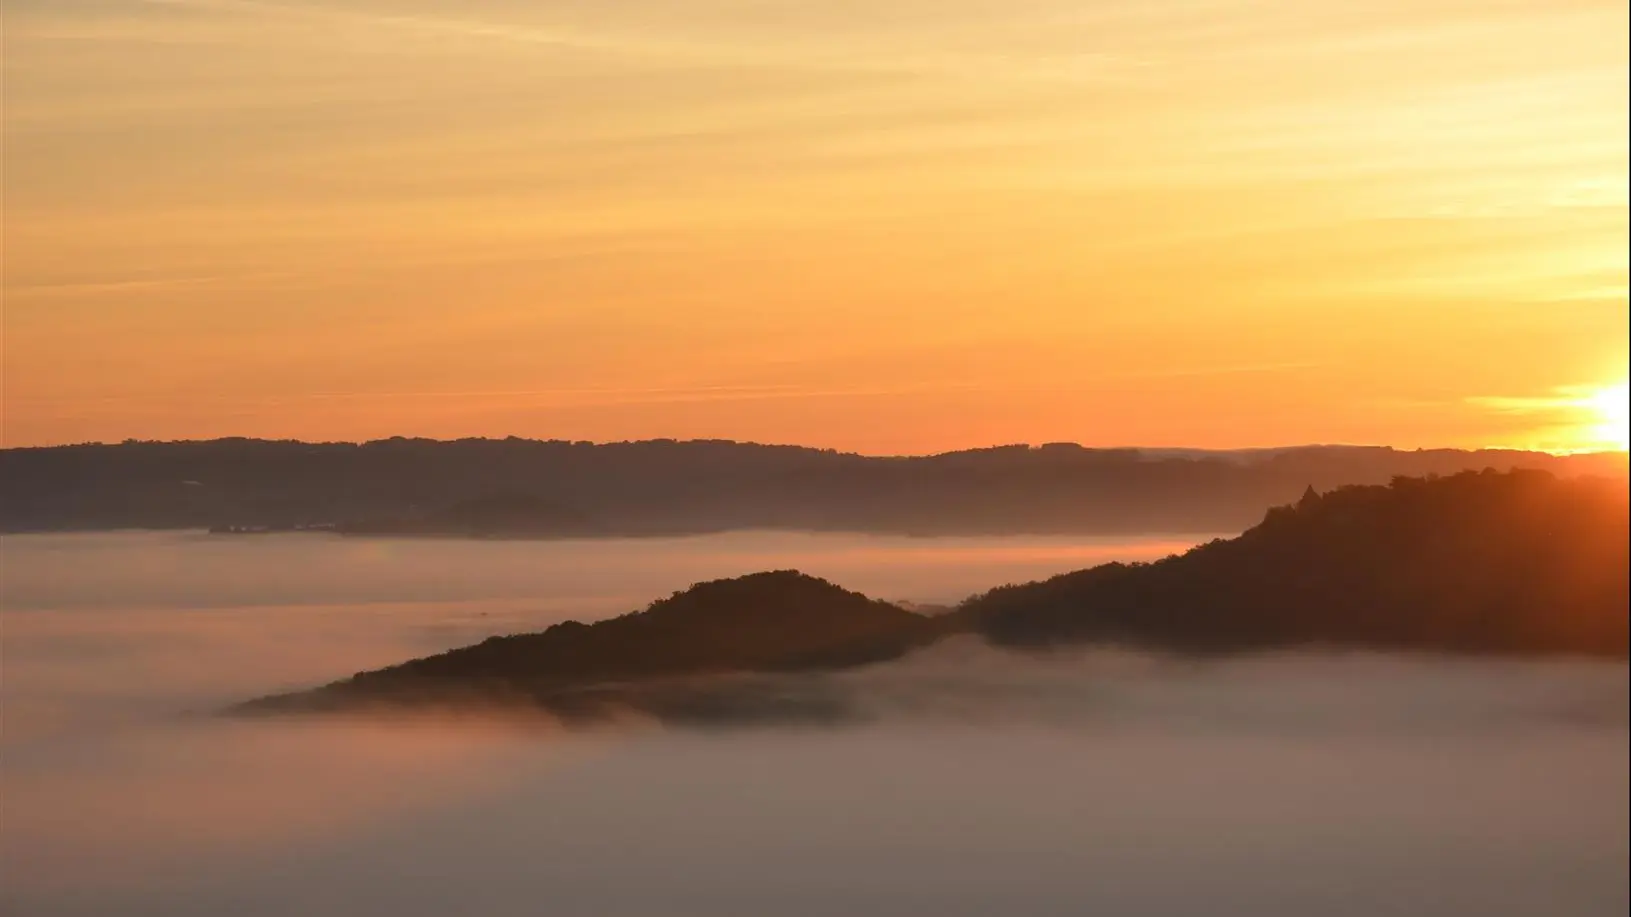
x,y
648,46
1562,400
1569,418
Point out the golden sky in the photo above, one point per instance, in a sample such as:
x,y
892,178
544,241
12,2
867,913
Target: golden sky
x,y
881,225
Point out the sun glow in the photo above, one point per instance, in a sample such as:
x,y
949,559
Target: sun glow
x,y
1610,408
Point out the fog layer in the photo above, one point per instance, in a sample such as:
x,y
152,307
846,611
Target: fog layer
x,y
976,782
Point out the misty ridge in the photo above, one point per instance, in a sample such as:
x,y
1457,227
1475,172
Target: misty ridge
x,y
1513,564
1075,776
556,489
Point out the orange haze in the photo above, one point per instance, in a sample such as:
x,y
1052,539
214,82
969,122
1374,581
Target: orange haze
x,y
899,225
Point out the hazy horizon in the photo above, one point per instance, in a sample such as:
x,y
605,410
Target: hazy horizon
x,y
1174,449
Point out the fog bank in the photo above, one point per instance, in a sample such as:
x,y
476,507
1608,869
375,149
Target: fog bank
x,y
970,781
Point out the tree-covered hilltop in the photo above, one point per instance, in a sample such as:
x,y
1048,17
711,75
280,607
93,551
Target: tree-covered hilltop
x,y
780,621
1521,562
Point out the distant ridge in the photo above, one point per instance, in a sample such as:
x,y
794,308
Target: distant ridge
x,y
1478,563
551,489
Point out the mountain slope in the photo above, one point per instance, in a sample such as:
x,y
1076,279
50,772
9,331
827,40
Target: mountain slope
x,y
781,621
1486,562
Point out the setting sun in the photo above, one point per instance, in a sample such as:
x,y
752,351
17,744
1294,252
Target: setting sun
x,y
1611,409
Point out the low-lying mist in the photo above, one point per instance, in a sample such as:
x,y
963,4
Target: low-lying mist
x,y
960,780
964,681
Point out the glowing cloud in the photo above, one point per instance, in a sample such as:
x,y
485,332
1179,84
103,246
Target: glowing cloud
x,y
1581,418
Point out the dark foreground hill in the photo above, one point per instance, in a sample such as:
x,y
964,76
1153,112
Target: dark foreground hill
x,y
660,661
1519,563
1480,563
530,488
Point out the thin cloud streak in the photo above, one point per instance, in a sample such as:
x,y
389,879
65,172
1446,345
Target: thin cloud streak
x,y
660,394
1224,215
643,47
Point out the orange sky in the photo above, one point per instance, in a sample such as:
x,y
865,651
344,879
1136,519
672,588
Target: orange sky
x,y
890,225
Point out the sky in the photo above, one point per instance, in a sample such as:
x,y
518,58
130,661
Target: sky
x,y
875,225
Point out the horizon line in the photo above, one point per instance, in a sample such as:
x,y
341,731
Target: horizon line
x,y
1056,444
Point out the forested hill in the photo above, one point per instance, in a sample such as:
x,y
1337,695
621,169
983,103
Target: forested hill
x,y
1520,563
664,660
531,488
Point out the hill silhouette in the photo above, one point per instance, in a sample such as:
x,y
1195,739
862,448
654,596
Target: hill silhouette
x,y
494,516
1478,563
779,621
530,488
